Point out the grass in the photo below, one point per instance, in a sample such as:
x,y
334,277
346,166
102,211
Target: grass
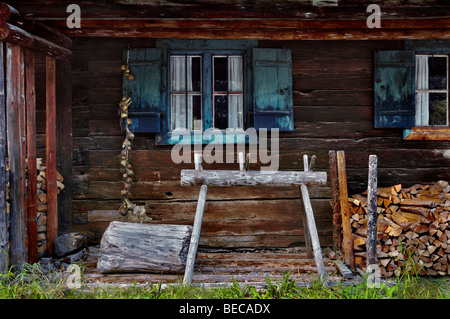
x,y
32,282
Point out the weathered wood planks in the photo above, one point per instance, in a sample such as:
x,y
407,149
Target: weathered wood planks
x,y
136,247
333,110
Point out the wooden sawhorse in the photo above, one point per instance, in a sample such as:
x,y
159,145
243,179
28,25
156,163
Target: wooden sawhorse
x,y
245,177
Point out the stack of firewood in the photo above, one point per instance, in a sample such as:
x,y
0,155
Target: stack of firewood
x,y
413,230
42,204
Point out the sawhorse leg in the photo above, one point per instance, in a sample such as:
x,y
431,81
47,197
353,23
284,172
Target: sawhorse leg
x,y
309,224
195,237
312,229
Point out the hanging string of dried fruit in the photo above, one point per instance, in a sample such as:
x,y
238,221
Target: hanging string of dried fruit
x,y
125,166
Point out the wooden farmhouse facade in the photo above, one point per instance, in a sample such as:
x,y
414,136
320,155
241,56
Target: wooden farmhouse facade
x,y
329,75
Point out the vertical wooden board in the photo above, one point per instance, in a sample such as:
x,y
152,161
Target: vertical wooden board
x,y
4,235
64,139
347,242
14,90
30,98
334,182
52,200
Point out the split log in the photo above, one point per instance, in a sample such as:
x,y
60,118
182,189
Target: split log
x,y
135,247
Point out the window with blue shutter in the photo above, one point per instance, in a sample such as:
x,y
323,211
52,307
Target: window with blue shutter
x,y
411,89
394,88
192,86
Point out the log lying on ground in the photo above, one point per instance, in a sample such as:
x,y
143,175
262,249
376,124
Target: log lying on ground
x,y
136,247
413,229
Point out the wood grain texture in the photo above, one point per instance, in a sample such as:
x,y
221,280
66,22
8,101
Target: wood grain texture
x,y
251,178
31,157
347,241
136,247
333,110
15,109
52,190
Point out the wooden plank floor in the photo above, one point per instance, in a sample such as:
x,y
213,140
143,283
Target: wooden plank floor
x,y
221,267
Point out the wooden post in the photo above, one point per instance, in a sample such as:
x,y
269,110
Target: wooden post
x,y
314,235
347,242
52,191
31,158
306,233
371,245
4,235
335,201
15,105
195,238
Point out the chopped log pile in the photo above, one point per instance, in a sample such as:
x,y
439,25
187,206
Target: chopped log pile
x,y
413,229
41,204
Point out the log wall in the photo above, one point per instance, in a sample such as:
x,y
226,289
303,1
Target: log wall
x,y
333,110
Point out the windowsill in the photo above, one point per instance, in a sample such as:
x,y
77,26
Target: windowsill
x,y
200,137
431,133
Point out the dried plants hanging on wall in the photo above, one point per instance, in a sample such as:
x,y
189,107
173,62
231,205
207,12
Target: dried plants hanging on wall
x,y
133,212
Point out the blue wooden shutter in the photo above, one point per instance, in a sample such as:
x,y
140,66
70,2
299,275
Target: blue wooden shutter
x,y
272,89
394,88
145,90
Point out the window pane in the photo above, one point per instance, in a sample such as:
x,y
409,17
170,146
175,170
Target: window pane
x,y
194,74
235,74
438,108
220,74
235,111
195,112
220,111
178,103
178,73
437,67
